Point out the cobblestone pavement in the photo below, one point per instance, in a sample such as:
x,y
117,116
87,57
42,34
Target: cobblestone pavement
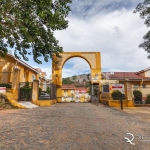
x,y
142,112
71,126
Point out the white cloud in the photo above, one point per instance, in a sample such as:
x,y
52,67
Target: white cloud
x,y
75,66
116,35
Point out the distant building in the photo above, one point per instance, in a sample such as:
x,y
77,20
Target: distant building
x,y
137,80
72,93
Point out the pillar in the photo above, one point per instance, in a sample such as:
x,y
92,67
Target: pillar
x,y
15,79
35,90
128,89
59,94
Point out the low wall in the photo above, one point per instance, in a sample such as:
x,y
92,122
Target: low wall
x,y
44,102
11,97
142,105
116,103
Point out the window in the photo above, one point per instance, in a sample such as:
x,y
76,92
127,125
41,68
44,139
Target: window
x,y
33,77
96,75
106,88
24,75
148,73
143,85
135,86
65,92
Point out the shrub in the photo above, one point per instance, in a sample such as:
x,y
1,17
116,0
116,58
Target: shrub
x,y
137,96
48,90
7,85
148,99
40,90
116,95
27,85
25,91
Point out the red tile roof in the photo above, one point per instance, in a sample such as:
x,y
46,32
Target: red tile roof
x,y
72,87
44,73
68,86
143,70
124,75
81,90
38,69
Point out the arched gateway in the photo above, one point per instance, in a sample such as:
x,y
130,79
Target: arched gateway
x,y
93,59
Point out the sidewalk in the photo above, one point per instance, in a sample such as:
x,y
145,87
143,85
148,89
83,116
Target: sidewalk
x,y
142,112
27,104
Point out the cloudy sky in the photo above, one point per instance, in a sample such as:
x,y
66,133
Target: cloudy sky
x,y
106,26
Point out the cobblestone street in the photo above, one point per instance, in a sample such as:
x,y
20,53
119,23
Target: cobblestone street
x,y
71,126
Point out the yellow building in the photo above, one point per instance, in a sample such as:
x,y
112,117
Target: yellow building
x,y
70,93
19,74
9,63
43,81
131,80
27,73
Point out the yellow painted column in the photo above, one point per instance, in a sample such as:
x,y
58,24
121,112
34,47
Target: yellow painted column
x,y
15,79
62,92
128,90
59,94
35,90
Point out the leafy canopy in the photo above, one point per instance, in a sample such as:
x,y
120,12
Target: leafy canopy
x,y
28,26
144,10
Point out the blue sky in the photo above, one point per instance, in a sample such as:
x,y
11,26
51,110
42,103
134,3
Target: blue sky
x,y
106,26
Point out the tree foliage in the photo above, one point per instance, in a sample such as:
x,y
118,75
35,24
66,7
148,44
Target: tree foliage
x,y
67,81
28,26
144,10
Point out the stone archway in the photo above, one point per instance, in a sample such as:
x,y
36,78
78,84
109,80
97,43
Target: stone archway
x,y
92,58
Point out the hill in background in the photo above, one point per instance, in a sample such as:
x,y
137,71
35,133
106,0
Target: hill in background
x,y
79,80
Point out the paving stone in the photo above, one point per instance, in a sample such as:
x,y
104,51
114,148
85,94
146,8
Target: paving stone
x,y
70,126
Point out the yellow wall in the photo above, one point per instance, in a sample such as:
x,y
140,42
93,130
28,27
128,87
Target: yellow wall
x,y
129,88
116,103
44,102
142,74
7,64
68,92
73,97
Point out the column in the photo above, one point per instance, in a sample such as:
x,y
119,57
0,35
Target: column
x,y
35,90
15,79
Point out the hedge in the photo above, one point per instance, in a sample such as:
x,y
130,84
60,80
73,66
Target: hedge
x,y
117,94
148,99
7,85
137,96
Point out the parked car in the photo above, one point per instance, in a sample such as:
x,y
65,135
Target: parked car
x,y
44,95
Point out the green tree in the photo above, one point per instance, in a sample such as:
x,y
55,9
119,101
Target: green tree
x,y
48,90
144,10
67,81
28,26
